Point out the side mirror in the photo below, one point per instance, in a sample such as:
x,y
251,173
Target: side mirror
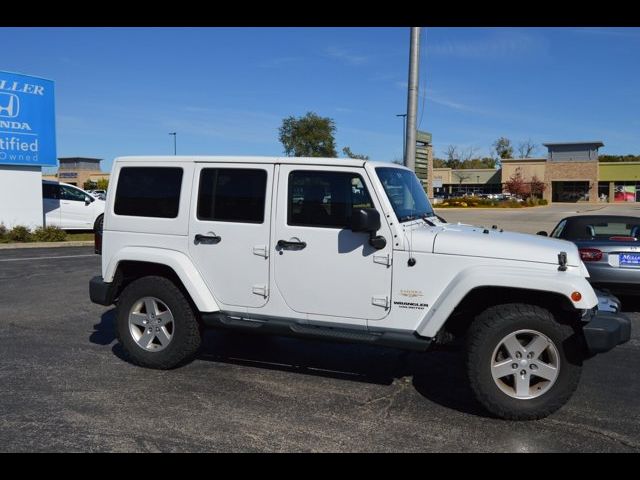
x,y
542,233
368,220
365,220
87,200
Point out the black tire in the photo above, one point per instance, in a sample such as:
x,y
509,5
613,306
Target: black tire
x,y
487,332
97,225
186,335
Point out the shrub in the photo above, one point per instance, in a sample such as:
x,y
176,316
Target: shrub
x,y
49,234
3,231
19,233
543,201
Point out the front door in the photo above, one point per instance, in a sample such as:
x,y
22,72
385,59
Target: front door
x,y
321,266
229,231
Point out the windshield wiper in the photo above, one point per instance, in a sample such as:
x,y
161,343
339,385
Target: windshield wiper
x,y
426,217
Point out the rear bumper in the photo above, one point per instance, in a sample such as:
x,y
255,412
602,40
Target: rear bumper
x,y
605,330
101,292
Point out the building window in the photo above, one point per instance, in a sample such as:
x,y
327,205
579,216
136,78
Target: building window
x,y
570,191
603,191
625,191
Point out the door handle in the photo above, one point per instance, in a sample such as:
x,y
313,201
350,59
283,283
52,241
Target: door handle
x,y
207,239
288,245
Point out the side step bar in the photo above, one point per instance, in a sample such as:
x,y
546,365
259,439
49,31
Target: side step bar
x,y
291,328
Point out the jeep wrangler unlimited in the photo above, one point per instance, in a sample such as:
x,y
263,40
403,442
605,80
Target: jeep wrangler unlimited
x,y
343,250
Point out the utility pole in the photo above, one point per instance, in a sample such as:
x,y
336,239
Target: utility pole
x,y
412,100
175,134
404,137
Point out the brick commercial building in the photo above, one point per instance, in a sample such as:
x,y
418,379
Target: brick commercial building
x,y
570,172
78,170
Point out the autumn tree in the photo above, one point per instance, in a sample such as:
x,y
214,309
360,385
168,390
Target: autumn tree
x,y
536,187
516,185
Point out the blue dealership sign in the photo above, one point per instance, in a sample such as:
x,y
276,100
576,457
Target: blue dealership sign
x,y
27,121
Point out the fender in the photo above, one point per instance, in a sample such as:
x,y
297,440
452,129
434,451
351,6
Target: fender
x,y
544,280
178,262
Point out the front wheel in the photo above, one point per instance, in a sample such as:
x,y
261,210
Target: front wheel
x,y
521,363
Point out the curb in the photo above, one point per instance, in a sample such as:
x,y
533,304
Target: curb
x,y
14,246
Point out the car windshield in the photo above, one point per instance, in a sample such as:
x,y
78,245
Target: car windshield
x,y
405,193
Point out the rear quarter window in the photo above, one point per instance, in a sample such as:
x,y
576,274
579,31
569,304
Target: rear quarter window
x,y
148,192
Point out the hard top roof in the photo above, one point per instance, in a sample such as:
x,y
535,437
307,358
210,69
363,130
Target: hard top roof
x,y
339,162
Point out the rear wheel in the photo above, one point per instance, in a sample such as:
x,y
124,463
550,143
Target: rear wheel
x,y
521,363
156,325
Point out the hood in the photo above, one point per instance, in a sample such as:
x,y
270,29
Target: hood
x,y
468,240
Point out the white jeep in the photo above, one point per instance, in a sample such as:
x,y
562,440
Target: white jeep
x,y
341,250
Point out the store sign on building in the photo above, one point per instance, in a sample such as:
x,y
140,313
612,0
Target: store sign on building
x,y
27,121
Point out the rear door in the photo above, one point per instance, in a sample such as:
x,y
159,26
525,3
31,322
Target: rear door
x,y
229,231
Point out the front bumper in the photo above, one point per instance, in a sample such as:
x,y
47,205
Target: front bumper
x,y
605,330
101,292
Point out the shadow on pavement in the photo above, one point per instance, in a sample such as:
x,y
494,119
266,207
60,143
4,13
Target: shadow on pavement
x,y
438,375
105,332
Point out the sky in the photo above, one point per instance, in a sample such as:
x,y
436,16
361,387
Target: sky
x,y
225,91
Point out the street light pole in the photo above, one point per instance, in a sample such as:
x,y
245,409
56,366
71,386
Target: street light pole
x,y
412,99
404,137
175,134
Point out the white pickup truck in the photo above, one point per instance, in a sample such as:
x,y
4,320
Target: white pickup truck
x,y
341,250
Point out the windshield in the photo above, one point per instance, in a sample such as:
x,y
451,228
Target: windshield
x,y
405,193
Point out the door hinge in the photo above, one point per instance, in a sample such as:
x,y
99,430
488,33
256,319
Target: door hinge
x,y
262,290
261,250
380,301
383,259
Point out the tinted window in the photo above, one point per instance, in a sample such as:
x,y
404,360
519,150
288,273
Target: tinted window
x,y
325,199
50,190
149,192
232,195
70,193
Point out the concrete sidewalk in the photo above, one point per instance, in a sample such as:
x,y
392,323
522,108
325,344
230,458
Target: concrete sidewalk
x,y
77,243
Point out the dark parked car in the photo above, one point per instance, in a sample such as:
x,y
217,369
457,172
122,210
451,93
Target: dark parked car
x,y
609,247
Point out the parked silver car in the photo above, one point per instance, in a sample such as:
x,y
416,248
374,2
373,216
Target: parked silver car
x,y
609,246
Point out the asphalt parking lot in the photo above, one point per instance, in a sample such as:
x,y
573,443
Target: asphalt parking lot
x,y
533,220
65,386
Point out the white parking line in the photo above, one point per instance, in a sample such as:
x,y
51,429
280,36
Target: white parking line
x,y
46,258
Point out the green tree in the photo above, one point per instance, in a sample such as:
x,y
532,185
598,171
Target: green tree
x,y
102,184
308,136
618,158
89,185
503,148
439,163
349,154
